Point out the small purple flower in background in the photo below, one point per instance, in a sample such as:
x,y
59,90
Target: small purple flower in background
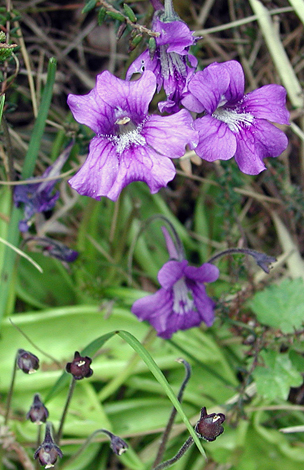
x,y
234,124
130,145
38,197
172,64
27,362
48,452
38,413
55,249
182,302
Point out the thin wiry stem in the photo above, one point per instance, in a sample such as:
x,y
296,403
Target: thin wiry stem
x,y
261,259
168,428
69,397
179,454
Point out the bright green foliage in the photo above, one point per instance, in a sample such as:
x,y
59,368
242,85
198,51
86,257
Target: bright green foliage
x,y
274,380
90,4
130,13
281,306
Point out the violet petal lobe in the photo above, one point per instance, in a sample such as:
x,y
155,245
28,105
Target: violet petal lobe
x,y
176,34
158,132
203,304
91,110
170,244
209,86
171,272
142,164
266,140
97,175
268,102
205,273
216,140
133,97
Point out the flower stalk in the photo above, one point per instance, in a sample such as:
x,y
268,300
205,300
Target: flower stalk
x,y
168,428
65,410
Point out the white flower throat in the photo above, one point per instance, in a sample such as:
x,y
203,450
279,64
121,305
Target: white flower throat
x,y
183,301
127,134
234,120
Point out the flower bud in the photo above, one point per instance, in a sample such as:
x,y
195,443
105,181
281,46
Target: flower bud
x,y
209,426
48,452
38,412
118,445
79,367
27,361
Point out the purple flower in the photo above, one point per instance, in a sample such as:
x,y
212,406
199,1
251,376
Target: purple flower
x,y
48,452
55,249
27,362
130,145
182,302
79,367
235,124
172,64
38,197
38,413
209,426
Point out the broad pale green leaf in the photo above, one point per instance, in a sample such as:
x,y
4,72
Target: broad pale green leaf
x,y
277,376
281,306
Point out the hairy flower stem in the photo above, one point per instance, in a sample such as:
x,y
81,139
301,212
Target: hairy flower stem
x,y
261,259
179,454
69,397
10,393
168,428
169,10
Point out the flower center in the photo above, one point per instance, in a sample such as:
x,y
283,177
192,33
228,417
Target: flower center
x,y
234,120
126,133
172,64
183,300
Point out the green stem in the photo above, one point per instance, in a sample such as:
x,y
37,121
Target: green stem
x,y
67,403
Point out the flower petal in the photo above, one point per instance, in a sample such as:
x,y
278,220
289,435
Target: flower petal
x,y
174,33
171,272
268,102
170,244
260,141
92,111
204,305
142,164
209,86
169,135
217,141
98,174
133,97
205,273
144,62
156,309
235,90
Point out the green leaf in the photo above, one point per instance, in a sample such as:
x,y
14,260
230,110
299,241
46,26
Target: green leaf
x,y
281,306
90,4
155,370
277,376
116,15
129,13
6,284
